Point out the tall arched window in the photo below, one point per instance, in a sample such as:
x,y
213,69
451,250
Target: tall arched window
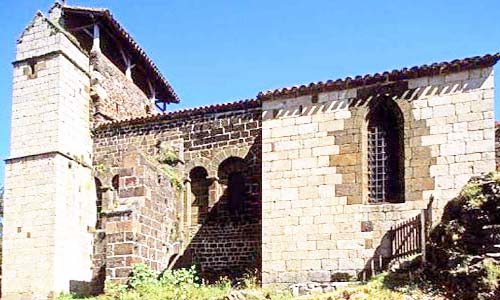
x,y
200,185
385,153
232,175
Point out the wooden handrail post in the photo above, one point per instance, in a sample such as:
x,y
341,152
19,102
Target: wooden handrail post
x,y
423,217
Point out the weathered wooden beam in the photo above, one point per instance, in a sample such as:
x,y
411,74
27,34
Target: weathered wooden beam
x,y
96,44
422,233
88,32
128,64
152,92
83,27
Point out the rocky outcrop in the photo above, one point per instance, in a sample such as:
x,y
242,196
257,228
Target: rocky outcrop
x,y
464,249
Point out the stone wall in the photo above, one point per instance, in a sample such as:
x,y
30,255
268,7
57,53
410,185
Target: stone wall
x,y
48,177
205,138
138,222
317,220
42,54
115,96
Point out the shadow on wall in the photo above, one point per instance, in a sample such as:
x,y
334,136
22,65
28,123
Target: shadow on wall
x,y
227,228
400,242
360,97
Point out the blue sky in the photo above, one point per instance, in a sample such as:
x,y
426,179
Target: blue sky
x,y
225,50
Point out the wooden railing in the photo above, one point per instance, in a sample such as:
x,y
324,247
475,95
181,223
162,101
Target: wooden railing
x,y
409,237
406,239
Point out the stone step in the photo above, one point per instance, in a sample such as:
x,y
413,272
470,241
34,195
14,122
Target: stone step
x,y
311,288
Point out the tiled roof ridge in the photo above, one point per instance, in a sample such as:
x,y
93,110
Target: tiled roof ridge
x,y
107,13
440,68
187,112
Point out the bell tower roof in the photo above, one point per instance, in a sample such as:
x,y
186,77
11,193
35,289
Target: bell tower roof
x,y
118,45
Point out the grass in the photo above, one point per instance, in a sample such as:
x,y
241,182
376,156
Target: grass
x,y
184,284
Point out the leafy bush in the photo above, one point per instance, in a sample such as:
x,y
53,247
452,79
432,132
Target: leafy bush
x,y
180,277
167,155
180,284
184,284
142,276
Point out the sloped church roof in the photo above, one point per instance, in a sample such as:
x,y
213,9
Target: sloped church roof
x,y
116,42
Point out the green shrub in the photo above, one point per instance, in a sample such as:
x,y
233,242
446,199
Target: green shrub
x,y
167,155
180,277
66,296
142,276
185,284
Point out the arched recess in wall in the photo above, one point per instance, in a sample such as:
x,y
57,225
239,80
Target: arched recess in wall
x,y
200,185
232,177
207,164
386,153
237,152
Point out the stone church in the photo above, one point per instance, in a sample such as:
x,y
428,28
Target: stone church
x,y
299,183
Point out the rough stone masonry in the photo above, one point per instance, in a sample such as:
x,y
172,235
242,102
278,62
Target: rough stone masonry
x,y
300,183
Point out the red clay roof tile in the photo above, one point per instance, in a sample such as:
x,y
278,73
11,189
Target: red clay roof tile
x,y
387,76
185,113
118,28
